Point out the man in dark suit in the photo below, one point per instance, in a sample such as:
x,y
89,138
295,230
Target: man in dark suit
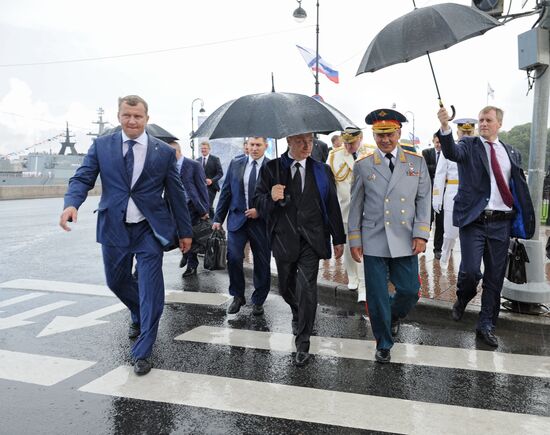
x,y
431,155
245,224
298,194
213,170
134,219
196,195
489,171
319,151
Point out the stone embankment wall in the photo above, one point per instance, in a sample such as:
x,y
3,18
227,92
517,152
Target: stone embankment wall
x,y
32,192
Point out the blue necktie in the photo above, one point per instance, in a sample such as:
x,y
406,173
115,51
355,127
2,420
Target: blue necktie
x,y
252,184
129,160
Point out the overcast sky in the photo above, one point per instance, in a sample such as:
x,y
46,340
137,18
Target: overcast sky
x,y
218,50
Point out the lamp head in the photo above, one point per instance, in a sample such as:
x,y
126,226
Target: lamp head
x,y
299,13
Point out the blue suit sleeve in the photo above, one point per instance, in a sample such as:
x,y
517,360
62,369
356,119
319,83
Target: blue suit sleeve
x,y
176,197
83,180
225,197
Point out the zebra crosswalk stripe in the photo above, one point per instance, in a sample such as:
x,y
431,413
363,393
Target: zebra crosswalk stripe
x,y
406,353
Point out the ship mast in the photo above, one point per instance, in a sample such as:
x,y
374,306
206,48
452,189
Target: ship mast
x,y
67,143
101,124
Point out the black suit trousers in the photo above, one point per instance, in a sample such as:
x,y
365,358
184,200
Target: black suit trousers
x,y
298,287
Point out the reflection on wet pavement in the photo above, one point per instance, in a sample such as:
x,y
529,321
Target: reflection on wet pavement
x,y
438,283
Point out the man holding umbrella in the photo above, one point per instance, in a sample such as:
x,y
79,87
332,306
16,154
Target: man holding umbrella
x,y
298,194
389,224
484,210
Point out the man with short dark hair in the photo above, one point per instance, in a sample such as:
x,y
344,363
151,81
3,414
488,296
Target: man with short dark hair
x,y
134,220
484,208
245,224
196,195
214,172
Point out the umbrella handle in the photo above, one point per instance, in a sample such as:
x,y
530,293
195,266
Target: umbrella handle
x,y
452,108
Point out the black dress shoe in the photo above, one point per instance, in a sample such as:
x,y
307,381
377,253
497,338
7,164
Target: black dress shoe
x,y
142,367
294,327
395,325
301,358
487,336
458,310
183,261
190,271
134,330
257,310
382,356
236,305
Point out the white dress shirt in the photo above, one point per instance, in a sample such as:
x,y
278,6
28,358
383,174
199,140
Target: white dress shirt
x,y
385,159
247,171
302,169
133,214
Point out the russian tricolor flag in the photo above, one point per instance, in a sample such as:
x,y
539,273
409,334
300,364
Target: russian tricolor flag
x,y
324,67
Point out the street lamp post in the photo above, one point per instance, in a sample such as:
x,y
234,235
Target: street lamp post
x,y
300,15
192,143
414,137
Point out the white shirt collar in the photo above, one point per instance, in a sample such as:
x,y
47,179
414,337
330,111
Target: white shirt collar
x,y
141,139
259,161
302,162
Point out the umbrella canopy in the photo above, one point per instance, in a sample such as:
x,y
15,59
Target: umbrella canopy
x,y
424,30
152,129
274,115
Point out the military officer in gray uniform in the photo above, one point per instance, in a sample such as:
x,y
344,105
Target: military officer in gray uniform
x,y
389,225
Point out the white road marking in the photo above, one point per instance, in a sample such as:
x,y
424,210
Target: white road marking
x,y
436,356
171,296
17,299
38,369
68,323
313,405
20,319
201,298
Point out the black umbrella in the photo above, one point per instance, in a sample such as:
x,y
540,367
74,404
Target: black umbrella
x,y
272,114
152,129
424,31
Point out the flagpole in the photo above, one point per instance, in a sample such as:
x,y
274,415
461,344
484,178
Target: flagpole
x,y
317,53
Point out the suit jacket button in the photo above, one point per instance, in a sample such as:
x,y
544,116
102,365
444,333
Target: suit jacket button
x,y
387,212
387,200
402,211
403,222
387,222
402,199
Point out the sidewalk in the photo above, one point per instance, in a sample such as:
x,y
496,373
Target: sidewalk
x,y
438,290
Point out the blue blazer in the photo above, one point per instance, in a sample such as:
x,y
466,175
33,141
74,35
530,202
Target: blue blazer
x,y
232,198
474,188
193,179
159,176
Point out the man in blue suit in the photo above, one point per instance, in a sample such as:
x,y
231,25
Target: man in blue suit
x,y
134,219
484,209
244,224
196,195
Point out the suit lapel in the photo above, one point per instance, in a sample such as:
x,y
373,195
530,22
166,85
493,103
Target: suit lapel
x,y
152,149
483,155
380,166
240,174
117,158
399,170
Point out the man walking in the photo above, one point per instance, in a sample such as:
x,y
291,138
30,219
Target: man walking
x,y
432,156
389,225
245,224
341,161
213,171
298,194
483,211
196,196
134,220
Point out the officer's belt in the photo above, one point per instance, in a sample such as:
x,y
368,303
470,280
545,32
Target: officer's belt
x,y
495,215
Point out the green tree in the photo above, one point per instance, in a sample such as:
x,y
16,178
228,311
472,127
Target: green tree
x,y
520,137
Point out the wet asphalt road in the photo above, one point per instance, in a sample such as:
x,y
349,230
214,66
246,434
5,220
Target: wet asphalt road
x,y
34,247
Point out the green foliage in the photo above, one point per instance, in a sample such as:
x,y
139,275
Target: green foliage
x,y
520,137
